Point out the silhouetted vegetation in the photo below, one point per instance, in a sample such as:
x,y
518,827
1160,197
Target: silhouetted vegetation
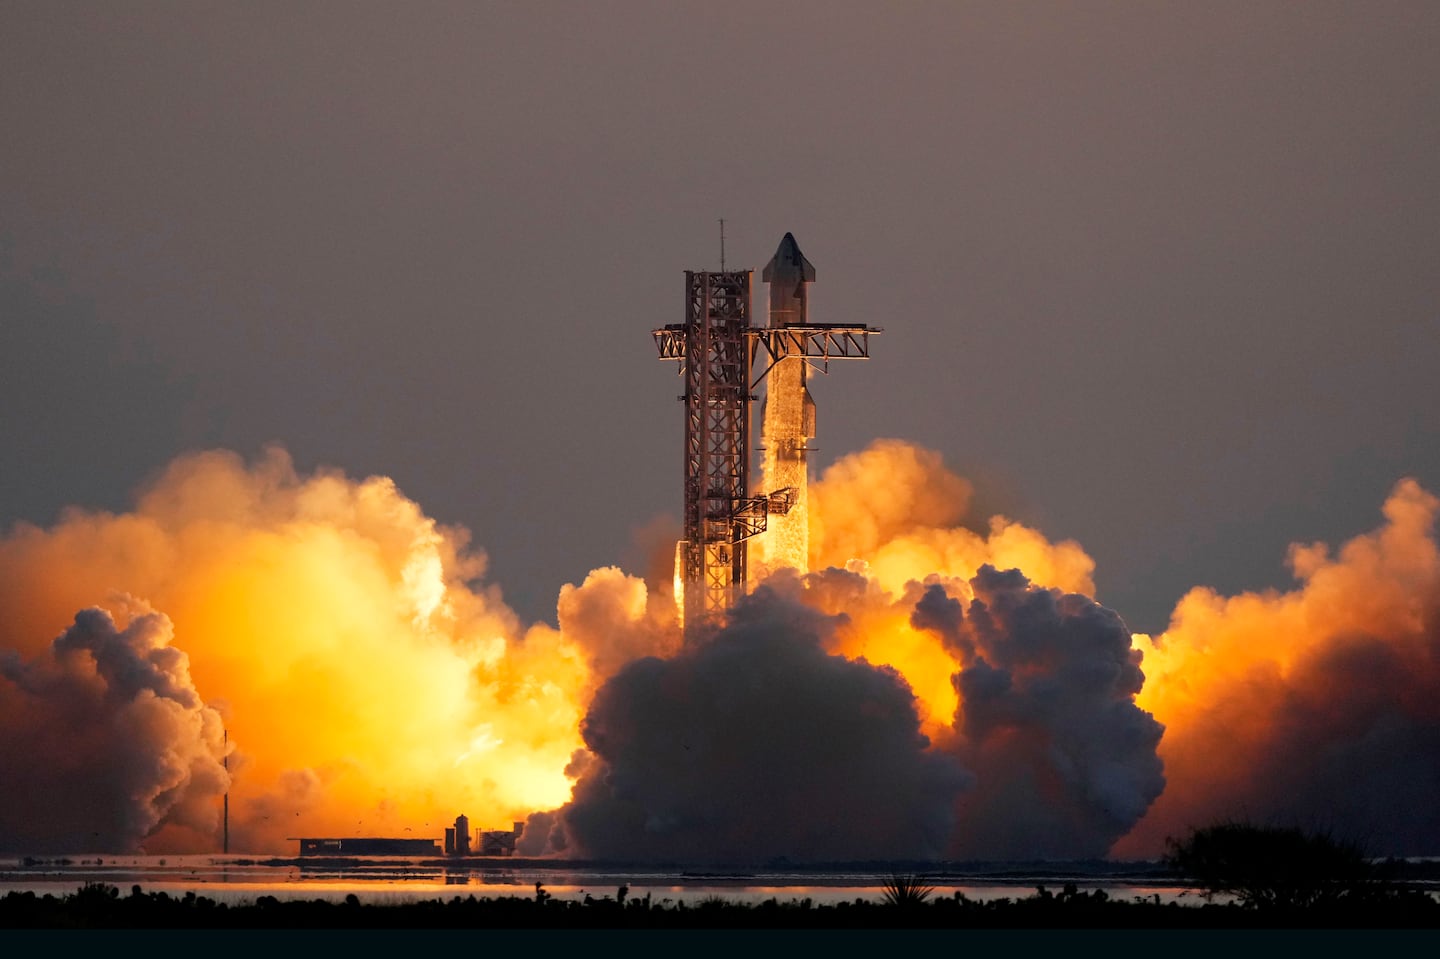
x,y
906,891
99,906
1277,868
1249,877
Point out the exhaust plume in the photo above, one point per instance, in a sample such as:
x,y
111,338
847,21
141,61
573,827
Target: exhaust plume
x,y
897,508
1318,707
368,681
757,745
940,685
979,714
107,718
1064,760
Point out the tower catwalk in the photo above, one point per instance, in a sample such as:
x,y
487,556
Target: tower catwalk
x,y
716,347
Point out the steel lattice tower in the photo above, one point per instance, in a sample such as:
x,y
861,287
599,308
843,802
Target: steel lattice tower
x,y
718,514
716,346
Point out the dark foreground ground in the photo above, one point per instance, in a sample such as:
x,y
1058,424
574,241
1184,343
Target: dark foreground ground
x,y
102,907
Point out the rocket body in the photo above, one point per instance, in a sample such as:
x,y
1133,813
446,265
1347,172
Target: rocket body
x,y
788,414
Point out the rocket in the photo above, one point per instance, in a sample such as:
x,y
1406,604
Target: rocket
x,y
789,274
788,414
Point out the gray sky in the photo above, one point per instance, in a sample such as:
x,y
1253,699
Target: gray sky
x,y
1160,277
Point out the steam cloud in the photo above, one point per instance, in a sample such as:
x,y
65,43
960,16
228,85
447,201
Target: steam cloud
x,y
103,736
1064,759
1319,706
941,686
369,681
1028,742
757,743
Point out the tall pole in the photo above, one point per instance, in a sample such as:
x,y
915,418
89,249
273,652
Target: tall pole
x,y
226,760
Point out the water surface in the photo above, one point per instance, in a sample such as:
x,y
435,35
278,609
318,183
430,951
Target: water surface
x,y
380,880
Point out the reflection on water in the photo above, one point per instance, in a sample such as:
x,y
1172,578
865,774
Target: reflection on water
x,y
239,880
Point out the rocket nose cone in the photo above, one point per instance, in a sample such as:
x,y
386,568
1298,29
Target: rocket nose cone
x,y
788,264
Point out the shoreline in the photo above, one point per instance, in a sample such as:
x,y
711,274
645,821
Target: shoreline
x,y
103,906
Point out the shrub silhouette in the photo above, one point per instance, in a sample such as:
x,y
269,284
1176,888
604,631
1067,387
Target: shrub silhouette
x,y
1272,867
98,906
905,890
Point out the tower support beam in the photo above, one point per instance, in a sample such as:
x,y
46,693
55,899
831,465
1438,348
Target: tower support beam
x,y
715,351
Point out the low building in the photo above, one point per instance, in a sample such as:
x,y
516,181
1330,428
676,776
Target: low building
x,y
500,842
369,846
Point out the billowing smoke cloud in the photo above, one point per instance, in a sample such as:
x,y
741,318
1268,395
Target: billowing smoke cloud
x,y
369,682
1020,736
896,507
757,745
1318,707
103,736
896,517
941,685
612,618
1064,760
764,742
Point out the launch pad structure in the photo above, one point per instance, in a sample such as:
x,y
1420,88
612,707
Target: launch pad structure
x,y
717,348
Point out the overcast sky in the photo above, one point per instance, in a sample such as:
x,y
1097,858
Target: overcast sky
x,y
1163,278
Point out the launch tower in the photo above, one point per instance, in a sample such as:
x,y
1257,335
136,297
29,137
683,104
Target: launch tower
x,y
717,347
